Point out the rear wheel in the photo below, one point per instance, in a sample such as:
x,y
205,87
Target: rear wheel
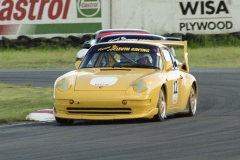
x,y
161,106
64,121
192,102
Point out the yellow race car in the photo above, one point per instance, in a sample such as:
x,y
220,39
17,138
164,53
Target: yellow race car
x,y
126,80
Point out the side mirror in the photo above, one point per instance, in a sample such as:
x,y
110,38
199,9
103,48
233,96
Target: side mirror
x,y
77,64
86,45
167,66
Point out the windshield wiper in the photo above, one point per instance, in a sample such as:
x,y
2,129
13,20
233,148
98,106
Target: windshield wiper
x,y
117,65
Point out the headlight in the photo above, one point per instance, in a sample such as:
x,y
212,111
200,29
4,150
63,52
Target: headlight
x,y
140,86
63,85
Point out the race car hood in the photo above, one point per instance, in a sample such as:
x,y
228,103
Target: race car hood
x,y
108,79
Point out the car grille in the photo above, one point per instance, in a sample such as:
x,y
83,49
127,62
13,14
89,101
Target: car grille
x,y
109,111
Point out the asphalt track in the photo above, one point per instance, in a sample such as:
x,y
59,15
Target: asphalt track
x,y
214,133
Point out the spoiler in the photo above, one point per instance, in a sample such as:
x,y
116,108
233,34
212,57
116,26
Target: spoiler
x,y
184,67
171,43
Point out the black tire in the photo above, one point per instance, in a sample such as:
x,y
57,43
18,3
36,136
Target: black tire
x,y
161,107
192,102
64,121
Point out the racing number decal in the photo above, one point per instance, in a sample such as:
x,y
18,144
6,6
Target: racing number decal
x,y
175,91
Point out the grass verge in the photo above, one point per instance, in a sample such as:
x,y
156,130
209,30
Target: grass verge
x,y
208,57
213,57
40,58
18,101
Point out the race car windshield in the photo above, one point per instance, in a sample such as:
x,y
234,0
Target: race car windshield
x,y
122,55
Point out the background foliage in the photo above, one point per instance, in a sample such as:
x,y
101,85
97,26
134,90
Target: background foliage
x,y
194,41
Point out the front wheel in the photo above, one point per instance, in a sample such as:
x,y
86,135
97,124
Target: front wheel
x,y
161,106
64,121
192,102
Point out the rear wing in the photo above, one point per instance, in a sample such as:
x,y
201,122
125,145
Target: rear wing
x,y
184,67
172,43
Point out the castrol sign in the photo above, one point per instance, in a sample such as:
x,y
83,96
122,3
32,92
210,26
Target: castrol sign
x,y
33,10
52,17
88,8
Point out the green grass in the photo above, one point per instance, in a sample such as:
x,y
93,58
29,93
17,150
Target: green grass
x,y
43,58
18,101
212,57
218,57
208,57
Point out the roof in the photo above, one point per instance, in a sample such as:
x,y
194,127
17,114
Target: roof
x,y
130,37
121,30
106,32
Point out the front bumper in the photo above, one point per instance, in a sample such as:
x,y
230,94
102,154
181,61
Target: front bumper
x,y
105,105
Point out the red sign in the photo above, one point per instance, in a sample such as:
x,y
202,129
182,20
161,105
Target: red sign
x,y
33,9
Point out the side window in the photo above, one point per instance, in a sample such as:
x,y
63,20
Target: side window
x,y
104,62
90,60
168,56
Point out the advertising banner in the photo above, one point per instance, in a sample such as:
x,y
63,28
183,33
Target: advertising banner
x,y
178,16
52,17
48,18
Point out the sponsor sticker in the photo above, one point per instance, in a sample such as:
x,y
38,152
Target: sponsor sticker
x,y
175,91
117,48
103,81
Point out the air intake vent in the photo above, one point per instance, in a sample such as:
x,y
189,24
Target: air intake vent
x,y
105,111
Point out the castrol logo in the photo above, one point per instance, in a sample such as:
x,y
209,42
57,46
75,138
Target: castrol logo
x,y
88,8
33,9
